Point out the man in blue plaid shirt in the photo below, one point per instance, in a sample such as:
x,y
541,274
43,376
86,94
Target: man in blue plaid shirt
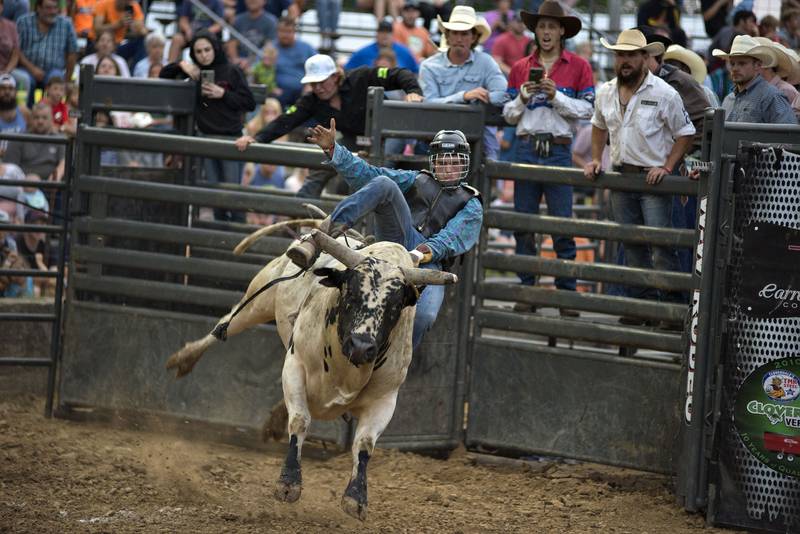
x,y
48,44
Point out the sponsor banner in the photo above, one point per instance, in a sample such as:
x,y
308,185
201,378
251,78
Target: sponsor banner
x,y
770,286
767,415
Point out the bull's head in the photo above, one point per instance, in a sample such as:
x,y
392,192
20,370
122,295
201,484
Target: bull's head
x,y
373,295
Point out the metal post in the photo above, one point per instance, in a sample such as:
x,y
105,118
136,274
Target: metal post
x,y
614,16
695,473
56,330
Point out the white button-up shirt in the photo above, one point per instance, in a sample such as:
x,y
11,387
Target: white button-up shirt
x,y
654,118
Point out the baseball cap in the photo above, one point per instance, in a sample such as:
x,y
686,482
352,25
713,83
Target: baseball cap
x,y
4,217
318,68
411,4
8,80
385,26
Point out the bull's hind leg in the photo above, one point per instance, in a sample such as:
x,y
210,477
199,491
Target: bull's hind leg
x,y
372,421
290,483
260,310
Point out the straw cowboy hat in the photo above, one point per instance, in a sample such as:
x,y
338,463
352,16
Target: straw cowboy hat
x,y
632,40
695,63
794,77
785,66
463,18
552,10
746,46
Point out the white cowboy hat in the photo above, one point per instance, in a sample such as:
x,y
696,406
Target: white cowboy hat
x,y
784,65
463,18
794,76
632,40
695,63
746,46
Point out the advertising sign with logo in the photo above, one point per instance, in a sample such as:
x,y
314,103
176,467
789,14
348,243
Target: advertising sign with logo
x,y
767,415
770,285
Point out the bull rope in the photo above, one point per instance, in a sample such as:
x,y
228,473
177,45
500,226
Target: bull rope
x,y
221,330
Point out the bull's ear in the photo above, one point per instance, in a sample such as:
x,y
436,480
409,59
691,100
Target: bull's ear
x,y
331,277
411,295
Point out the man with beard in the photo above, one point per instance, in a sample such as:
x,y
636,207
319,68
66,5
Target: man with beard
x,y
753,99
550,89
48,46
44,159
649,132
13,118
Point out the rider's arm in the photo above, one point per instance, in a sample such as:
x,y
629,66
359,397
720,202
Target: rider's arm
x,y
358,172
459,234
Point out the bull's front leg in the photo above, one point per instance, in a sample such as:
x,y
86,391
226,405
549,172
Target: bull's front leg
x,y
290,483
372,421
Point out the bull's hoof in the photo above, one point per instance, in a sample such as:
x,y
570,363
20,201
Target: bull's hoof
x,y
286,491
354,508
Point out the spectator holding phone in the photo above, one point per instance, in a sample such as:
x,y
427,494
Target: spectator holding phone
x,y
224,99
551,89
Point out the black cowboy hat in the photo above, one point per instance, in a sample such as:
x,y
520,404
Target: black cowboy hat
x,y
653,37
552,10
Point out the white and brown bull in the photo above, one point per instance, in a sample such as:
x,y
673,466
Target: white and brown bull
x,y
346,325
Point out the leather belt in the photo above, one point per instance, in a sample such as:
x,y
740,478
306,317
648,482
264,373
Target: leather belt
x,y
625,167
555,140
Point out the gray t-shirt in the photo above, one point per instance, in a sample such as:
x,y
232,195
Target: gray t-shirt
x,y
259,31
35,158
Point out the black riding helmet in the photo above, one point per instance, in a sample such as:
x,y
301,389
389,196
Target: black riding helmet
x,y
449,149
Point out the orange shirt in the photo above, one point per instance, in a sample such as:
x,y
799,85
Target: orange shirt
x,y
417,39
83,18
108,10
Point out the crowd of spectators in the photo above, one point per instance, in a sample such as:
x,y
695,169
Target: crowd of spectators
x,y
525,61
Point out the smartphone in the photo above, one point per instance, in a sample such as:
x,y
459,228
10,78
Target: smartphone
x,y
536,74
207,76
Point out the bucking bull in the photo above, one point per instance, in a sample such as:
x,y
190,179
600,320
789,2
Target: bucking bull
x,y
346,324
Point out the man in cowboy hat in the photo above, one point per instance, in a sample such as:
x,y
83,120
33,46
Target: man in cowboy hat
x,y
694,98
692,64
649,132
785,68
459,74
550,90
753,99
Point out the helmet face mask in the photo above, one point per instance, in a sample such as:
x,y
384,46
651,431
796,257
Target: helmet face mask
x,y
449,157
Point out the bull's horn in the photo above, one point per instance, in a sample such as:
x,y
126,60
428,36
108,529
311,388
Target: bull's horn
x,y
314,210
349,257
422,277
248,241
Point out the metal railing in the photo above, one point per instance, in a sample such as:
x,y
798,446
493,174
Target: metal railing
x,y
60,229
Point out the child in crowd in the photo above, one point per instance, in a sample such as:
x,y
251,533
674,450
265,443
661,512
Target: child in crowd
x,y
264,71
55,91
270,110
31,197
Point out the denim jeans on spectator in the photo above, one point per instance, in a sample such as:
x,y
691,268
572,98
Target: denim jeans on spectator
x,y
224,171
33,84
328,15
393,222
559,204
650,210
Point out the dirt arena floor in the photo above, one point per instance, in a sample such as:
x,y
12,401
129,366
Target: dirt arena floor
x,y
64,476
